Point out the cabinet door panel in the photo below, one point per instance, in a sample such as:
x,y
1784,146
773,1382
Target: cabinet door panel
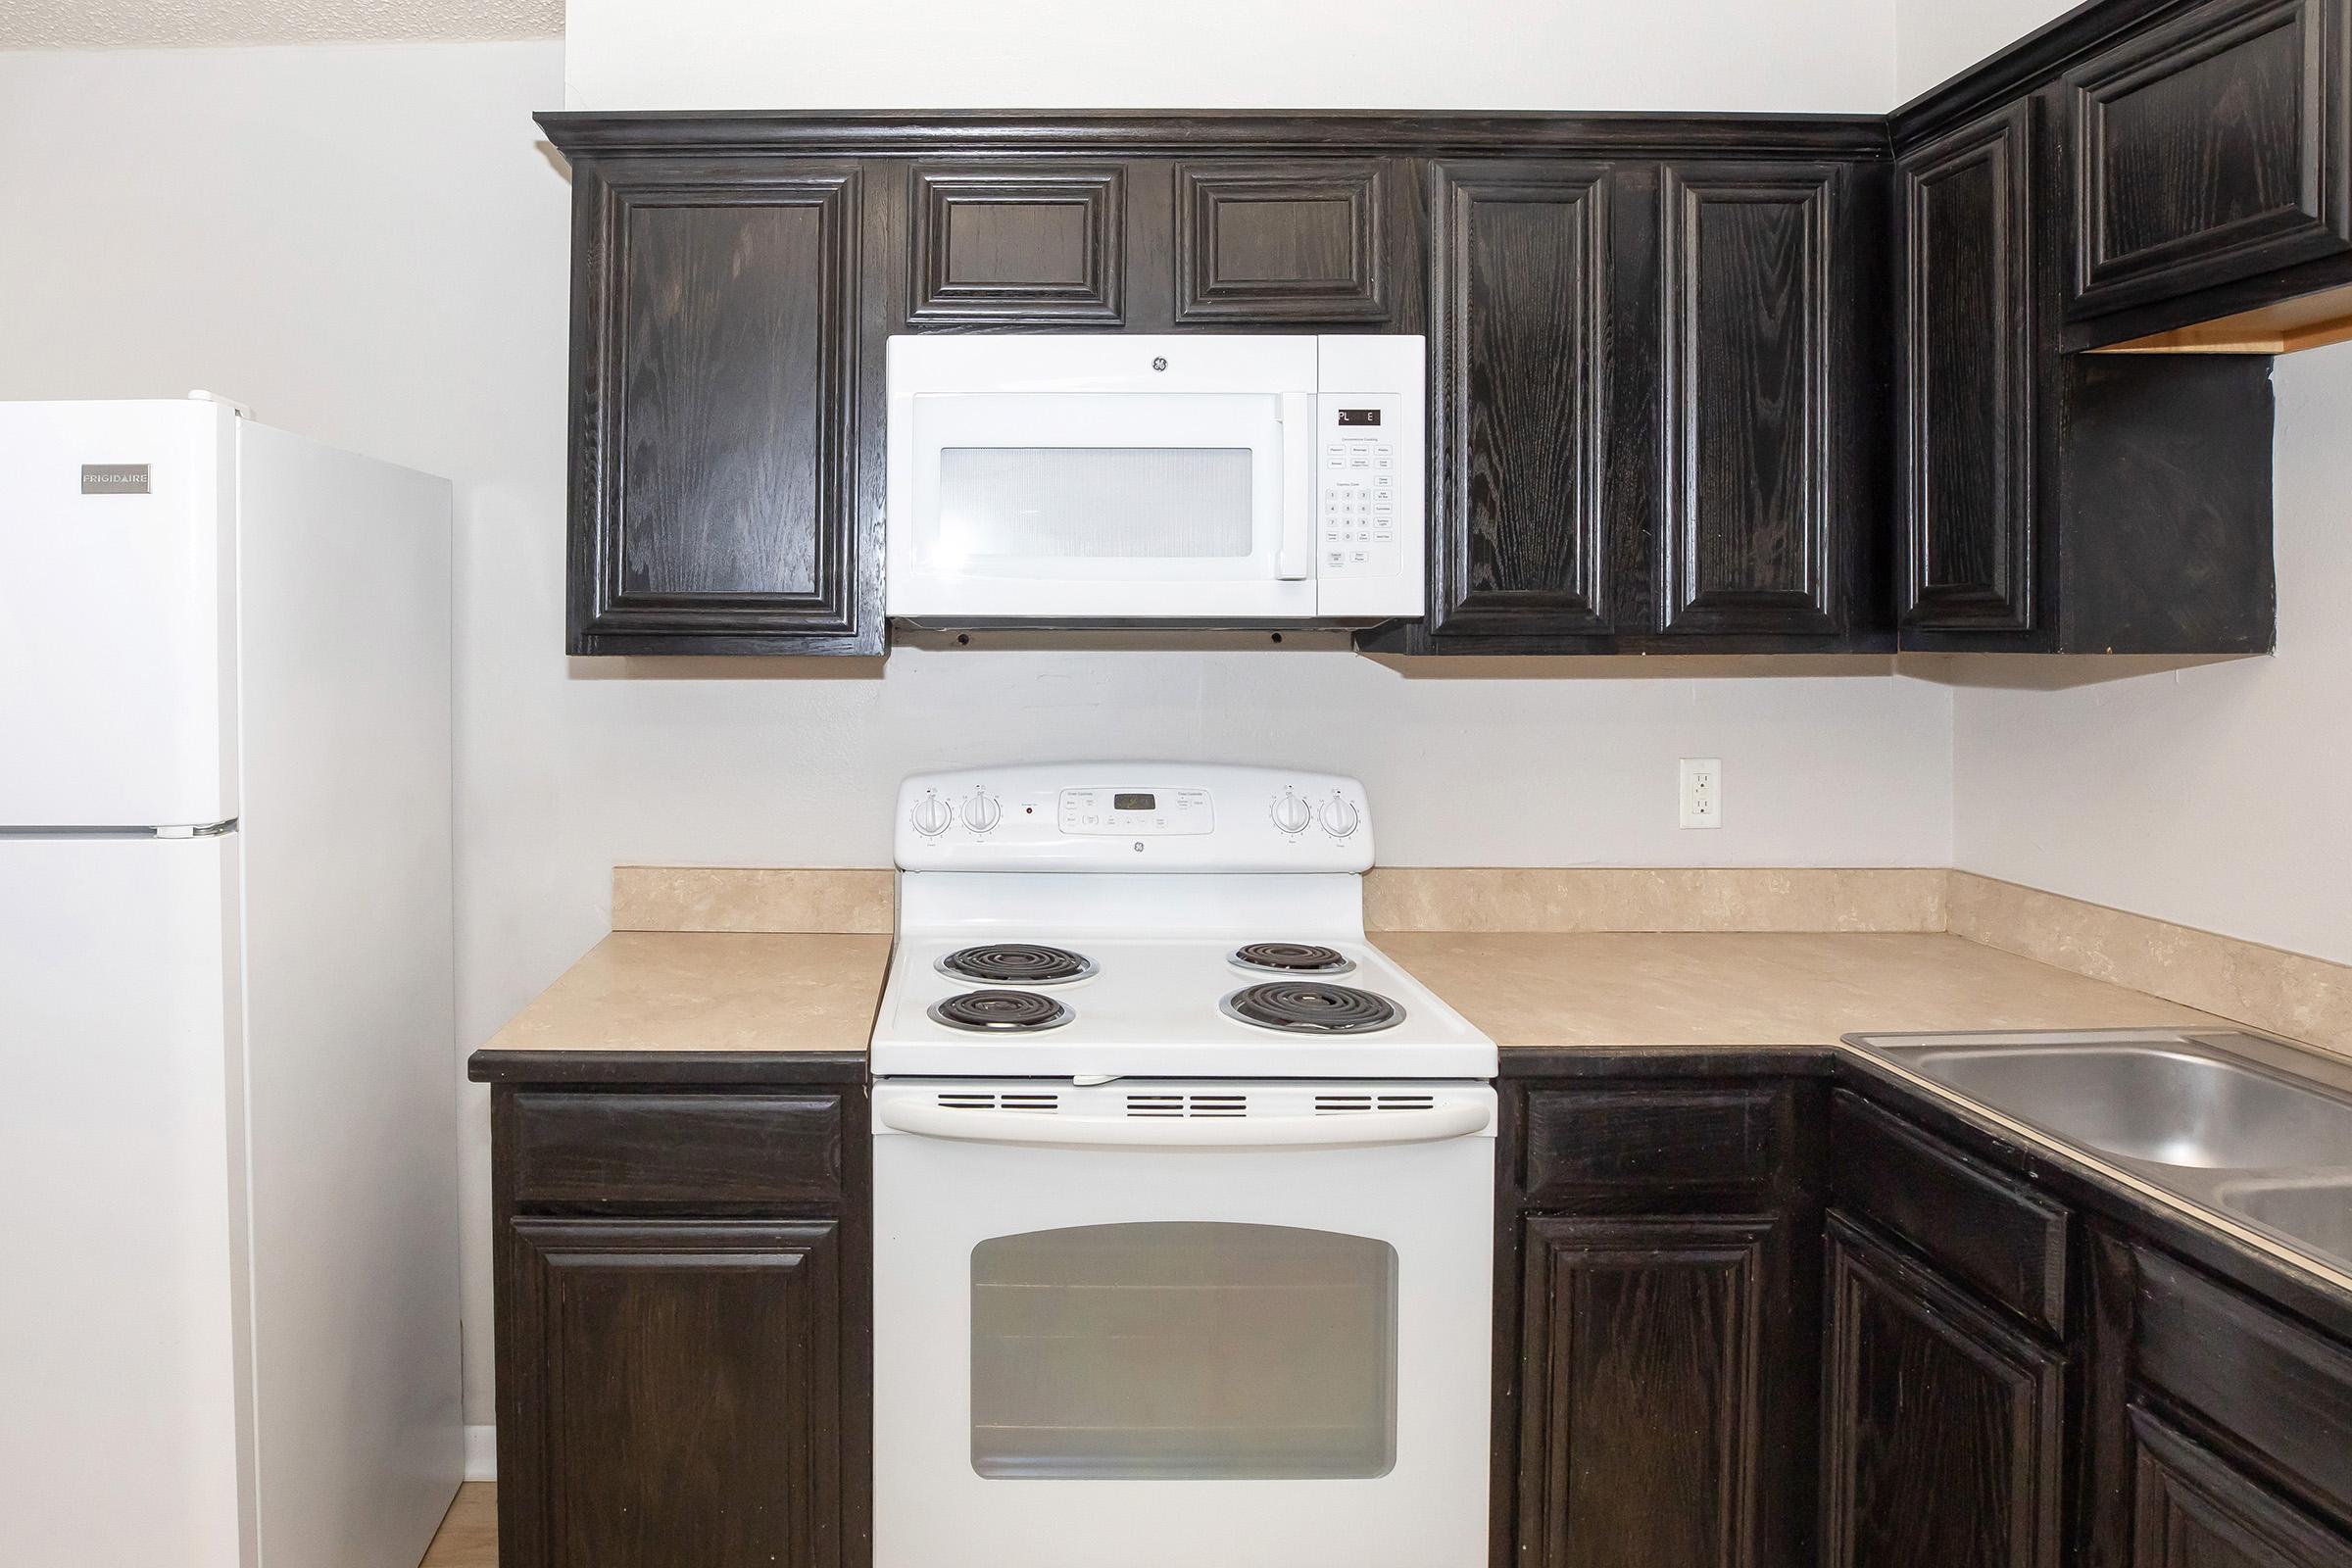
x,y
2209,150
680,1399
2192,1511
1941,1425
1748,381
1643,1419
1965,304
717,474
1018,246
1281,242
1519,396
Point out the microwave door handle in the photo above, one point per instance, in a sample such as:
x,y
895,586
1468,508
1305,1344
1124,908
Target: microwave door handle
x,y
1294,557
1341,1128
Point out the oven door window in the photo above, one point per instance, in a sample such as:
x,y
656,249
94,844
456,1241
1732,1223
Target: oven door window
x,y
1184,1351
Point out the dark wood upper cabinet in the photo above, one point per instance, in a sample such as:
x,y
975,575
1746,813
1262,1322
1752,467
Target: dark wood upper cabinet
x,y
1018,246
679,1400
1282,243
1942,1426
1656,406
721,496
1644,1426
1751,390
1520,399
1967,374
2210,149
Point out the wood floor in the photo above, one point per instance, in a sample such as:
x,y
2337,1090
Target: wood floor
x,y
469,1537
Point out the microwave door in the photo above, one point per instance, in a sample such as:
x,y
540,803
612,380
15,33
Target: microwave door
x,y
1133,507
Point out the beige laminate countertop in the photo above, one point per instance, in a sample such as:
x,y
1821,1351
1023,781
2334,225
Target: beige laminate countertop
x,y
683,992
1533,990
691,991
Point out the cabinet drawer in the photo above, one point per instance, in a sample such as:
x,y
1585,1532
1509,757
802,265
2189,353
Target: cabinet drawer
x,y
2282,1389
702,1152
1586,1144
2209,150
1980,1226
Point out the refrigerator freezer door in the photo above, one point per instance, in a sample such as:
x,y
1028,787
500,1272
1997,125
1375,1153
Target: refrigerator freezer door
x,y
121,1292
117,614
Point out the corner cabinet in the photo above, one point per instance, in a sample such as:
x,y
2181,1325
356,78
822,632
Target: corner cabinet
x,y
2049,501
1942,1429
1969,381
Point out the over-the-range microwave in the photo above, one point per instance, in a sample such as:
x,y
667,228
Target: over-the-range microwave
x,y
1202,479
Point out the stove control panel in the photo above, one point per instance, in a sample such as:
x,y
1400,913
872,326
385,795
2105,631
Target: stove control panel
x,y
1133,816
1132,810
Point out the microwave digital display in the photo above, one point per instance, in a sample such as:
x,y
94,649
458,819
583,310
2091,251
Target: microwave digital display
x,y
1134,802
1360,416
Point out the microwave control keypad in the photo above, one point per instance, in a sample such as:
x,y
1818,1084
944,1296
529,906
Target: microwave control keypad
x,y
1357,535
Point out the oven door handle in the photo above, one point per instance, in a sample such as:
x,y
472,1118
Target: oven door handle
x,y
1340,1128
1294,554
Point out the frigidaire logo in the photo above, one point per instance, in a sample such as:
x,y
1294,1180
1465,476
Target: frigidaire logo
x,y
113,478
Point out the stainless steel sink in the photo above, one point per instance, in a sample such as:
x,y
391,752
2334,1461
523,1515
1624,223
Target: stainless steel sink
x,y
2255,1129
2320,1213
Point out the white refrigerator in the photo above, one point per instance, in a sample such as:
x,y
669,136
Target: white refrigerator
x,y
229,1235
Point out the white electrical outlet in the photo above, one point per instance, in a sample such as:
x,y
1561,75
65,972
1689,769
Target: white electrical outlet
x,y
1703,792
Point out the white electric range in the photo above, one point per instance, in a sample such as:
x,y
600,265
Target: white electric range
x,y
1183,1189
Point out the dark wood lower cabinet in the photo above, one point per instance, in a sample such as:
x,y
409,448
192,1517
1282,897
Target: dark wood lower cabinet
x,y
1643,1426
1658,1340
1942,1424
685,1396
2193,1509
684,1325
1698,1361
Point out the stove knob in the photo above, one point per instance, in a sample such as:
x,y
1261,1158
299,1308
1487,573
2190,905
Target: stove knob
x,y
1340,816
1290,813
981,812
932,817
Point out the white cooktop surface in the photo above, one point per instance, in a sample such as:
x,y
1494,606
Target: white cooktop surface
x,y
1152,1008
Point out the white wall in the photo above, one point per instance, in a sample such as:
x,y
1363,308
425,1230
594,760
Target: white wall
x,y
366,245
1792,55
1936,39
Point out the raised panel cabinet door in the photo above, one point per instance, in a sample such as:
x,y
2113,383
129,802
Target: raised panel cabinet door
x,y
1749,384
2210,149
1943,1427
718,499
1519,398
1281,241
2192,1509
1644,1422
679,1396
1964,303
1018,245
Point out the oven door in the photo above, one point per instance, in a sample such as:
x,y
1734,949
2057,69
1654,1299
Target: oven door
x,y
1102,506
1180,1324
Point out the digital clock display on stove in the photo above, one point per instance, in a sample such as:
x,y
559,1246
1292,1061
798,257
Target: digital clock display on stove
x,y
1134,802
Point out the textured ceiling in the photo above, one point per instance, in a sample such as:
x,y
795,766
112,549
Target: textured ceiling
x,y
150,23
